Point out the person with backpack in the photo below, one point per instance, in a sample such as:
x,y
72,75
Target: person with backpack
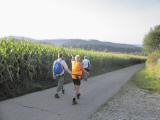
x,y
77,71
86,65
59,68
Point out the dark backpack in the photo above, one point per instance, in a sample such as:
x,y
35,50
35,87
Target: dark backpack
x,y
58,68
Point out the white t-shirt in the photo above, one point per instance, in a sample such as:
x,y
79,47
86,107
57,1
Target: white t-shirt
x,y
85,63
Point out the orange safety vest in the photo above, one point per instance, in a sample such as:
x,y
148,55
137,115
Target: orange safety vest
x,y
76,69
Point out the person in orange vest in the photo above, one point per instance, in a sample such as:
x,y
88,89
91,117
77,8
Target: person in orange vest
x,y
77,71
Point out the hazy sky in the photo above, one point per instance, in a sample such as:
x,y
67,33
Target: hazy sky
x,y
121,21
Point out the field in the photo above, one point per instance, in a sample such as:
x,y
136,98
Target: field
x,y
26,66
149,77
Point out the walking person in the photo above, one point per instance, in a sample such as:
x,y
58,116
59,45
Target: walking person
x,y
77,71
59,68
86,65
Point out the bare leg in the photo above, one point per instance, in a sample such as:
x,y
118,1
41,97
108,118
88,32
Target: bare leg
x,y
77,89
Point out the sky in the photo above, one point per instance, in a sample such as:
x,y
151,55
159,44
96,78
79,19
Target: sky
x,y
119,21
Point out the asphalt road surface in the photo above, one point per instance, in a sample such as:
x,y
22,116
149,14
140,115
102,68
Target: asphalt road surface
x,y
43,106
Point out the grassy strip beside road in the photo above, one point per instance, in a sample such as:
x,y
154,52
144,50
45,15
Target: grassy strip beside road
x,y
149,78
143,80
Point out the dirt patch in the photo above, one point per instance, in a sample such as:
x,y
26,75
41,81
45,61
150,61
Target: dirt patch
x,y
131,103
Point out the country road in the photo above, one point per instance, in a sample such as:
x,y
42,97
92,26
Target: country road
x,y
43,106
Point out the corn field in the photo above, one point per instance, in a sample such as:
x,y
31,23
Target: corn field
x,y
27,66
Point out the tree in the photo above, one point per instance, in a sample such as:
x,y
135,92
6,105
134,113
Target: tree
x,y
151,41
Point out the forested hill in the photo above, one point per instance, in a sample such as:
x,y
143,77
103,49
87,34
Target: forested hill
x,y
90,45
95,45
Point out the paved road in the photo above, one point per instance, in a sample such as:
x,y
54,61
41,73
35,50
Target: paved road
x,y
43,106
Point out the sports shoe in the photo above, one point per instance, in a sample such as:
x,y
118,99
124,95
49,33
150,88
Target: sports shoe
x,y
74,102
78,96
63,91
56,96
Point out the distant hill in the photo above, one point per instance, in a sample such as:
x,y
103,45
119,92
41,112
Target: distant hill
x,y
91,44
21,38
94,45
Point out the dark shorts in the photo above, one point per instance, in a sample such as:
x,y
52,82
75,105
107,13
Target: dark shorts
x,y
76,81
87,69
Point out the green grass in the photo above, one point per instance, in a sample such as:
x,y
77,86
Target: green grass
x,y
149,77
146,80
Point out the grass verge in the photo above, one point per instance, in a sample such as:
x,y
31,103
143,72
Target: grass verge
x,y
143,79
